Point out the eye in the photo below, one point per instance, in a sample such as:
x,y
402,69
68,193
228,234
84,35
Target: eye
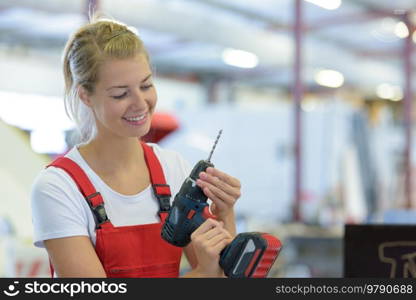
x,y
146,87
120,96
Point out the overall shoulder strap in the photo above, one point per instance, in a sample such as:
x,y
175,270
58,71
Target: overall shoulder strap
x,y
93,198
160,188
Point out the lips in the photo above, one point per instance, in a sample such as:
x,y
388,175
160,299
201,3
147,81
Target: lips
x,y
136,120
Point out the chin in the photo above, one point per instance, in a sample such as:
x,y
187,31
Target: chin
x,y
139,133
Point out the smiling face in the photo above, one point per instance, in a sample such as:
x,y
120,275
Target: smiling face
x,y
124,97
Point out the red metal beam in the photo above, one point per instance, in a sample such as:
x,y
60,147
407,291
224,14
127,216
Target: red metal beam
x,y
297,97
408,98
351,19
385,54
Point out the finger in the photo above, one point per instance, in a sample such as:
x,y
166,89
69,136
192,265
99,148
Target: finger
x,y
217,239
213,208
206,226
212,233
224,177
221,245
219,183
217,195
217,204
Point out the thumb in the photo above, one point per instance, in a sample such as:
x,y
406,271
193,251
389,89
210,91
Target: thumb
x,y
213,207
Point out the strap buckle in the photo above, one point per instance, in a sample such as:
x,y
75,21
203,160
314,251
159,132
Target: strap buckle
x,y
100,214
98,211
164,199
164,202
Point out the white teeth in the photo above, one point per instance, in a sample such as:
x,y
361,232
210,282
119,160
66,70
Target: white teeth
x,y
135,119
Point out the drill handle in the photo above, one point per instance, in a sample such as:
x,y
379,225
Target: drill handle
x,y
200,218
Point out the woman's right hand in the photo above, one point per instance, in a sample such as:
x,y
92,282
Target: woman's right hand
x,y
208,241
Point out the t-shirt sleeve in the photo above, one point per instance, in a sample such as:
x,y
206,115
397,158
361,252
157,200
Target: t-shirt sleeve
x,y
184,166
57,208
180,171
176,167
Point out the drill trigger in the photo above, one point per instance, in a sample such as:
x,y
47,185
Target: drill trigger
x,y
190,214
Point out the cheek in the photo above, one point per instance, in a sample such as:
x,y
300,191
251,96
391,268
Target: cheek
x,y
108,111
153,99
115,110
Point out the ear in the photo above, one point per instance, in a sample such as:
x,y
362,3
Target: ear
x,y
84,95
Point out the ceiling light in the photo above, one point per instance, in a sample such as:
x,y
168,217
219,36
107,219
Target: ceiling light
x,y
327,4
308,106
414,36
239,58
329,78
401,30
390,92
397,93
384,91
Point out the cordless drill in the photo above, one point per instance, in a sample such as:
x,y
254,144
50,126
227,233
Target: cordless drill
x,y
250,254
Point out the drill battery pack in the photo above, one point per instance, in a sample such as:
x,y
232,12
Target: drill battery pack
x,y
250,255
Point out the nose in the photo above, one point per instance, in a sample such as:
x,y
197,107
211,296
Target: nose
x,y
139,99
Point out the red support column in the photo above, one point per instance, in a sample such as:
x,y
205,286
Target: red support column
x,y
297,97
407,107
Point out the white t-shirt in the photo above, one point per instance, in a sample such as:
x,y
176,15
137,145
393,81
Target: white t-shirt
x,y
59,209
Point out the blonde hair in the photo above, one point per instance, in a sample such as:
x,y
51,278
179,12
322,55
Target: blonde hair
x,y
84,52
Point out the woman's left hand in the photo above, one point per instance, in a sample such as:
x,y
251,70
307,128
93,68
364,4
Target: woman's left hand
x,y
222,189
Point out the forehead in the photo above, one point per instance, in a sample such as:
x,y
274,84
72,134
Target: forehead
x,y
123,71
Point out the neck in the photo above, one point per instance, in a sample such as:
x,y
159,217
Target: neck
x,y
113,155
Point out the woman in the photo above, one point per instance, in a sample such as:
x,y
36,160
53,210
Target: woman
x,y
95,211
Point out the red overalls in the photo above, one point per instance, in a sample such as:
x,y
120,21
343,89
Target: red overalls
x,y
130,251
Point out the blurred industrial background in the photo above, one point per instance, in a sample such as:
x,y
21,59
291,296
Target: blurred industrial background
x,y
314,98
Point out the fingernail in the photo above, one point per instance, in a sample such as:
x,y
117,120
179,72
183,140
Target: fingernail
x,y
209,170
203,175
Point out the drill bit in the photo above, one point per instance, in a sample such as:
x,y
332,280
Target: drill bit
x,y
215,144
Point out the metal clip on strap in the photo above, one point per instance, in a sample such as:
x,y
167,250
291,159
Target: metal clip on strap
x,y
164,199
98,210
100,214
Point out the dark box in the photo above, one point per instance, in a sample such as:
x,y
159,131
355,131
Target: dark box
x,y
380,251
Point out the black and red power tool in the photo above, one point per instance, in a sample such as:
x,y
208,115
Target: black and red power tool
x,y
250,254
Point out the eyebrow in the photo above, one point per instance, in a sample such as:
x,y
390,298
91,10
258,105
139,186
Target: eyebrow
x,y
126,86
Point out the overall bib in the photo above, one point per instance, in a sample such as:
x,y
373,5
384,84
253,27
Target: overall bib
x,y
129,251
